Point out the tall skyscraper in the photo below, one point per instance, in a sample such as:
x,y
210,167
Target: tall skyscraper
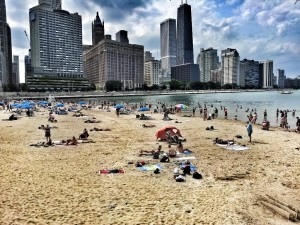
x,y
54,4
280,78
15,70
230,66
208,61
167,46
185,49
5,43
97,30
266,73
56,42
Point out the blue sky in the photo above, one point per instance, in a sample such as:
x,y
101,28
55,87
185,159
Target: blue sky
x,y
258,29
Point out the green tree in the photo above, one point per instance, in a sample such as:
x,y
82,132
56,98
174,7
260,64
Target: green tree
x,y
154,87
113,85
175,85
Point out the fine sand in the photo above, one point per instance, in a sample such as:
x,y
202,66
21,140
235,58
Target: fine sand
x,y
61,184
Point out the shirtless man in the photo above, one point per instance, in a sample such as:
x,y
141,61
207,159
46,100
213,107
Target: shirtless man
x,y
172,151
153,152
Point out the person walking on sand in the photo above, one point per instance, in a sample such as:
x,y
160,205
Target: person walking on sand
x,y
47,133
249,130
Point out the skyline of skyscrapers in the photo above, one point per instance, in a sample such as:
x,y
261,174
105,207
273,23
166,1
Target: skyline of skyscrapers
x,y
176,46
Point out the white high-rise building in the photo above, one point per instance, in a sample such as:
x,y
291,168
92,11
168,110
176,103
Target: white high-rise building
x,y
56,41
208,60
267,74
151,69
230,66
167,46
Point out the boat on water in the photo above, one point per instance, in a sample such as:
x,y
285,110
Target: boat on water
x,y
286,92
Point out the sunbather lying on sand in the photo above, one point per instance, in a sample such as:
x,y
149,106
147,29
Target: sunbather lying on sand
x,y
148,126
72,141
223,142
153,152
92,121
43,144
100,129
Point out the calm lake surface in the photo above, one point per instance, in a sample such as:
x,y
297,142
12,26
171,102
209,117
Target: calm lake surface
x,y
268,100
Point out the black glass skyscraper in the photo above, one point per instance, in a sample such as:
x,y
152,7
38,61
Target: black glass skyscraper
x,y
5,43
185,52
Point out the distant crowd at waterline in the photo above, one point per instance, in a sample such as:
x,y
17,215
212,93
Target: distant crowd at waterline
x,y
206,111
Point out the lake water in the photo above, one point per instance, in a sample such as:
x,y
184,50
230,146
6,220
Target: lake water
x,y
268,100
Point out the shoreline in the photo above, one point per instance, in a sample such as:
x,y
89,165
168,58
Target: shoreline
x,y
32,96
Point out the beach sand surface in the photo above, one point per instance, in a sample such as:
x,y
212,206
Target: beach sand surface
x,y
61,184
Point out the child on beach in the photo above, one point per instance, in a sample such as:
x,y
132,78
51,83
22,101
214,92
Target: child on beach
x,y
249,130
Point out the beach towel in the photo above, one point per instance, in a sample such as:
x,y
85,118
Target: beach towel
x,y
185,158
111,171
150,167
187,152
234,147
193,168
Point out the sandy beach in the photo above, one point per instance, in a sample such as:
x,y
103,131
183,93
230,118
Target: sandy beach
x,y
61,184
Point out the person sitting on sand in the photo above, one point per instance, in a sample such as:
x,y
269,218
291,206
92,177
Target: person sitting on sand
x,y
179,147
100,129
84,134
72,141
148,126
153,152
223,142
172,152
12,117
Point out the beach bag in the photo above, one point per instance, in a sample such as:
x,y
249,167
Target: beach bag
x,y
197,175
156,156
187,170
156,171
180,178
165,159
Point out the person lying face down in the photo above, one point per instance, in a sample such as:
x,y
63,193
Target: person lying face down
x,y
100,129
223,142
